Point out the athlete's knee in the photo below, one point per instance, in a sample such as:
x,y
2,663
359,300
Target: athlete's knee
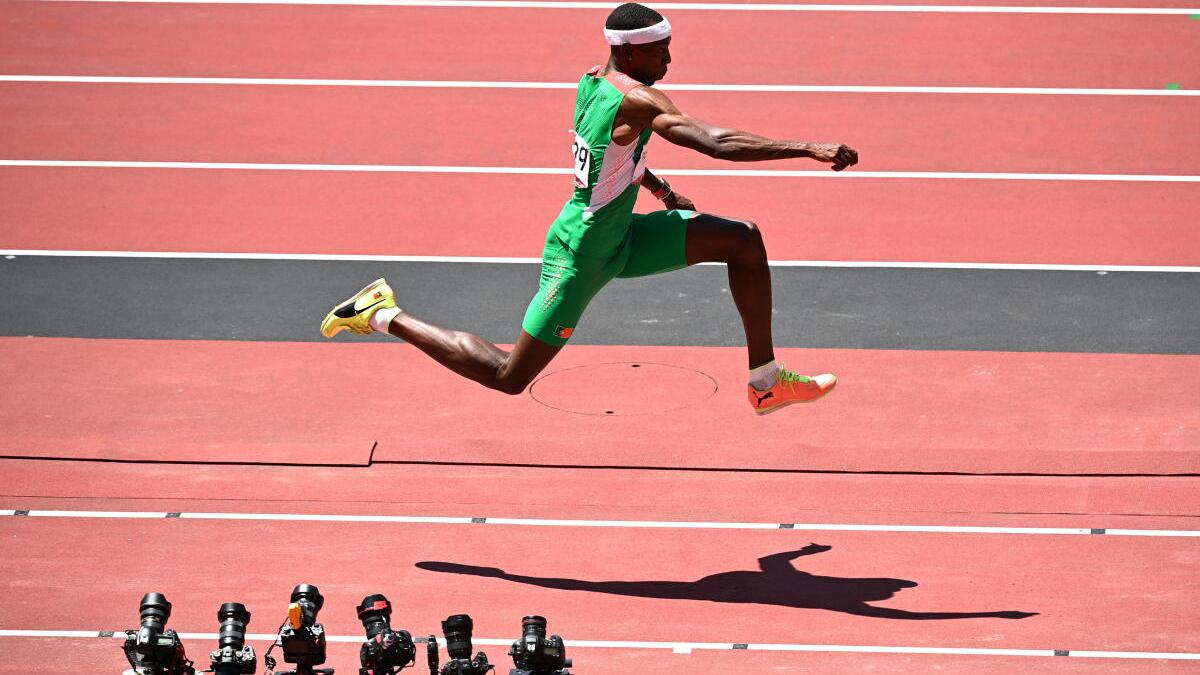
x,y
750,240
510,386
509,382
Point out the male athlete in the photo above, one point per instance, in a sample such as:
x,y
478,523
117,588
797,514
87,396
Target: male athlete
x,y
597,236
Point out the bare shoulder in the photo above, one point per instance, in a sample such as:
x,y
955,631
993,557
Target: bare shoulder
x,y
650,100
643,105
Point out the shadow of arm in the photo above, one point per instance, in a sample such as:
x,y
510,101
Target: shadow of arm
x,y
863,609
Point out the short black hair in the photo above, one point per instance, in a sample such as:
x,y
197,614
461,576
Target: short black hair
x,y
631,16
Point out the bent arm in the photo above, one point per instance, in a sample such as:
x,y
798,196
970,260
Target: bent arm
x,y
651,182
783,561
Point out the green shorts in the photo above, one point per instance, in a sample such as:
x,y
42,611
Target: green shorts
x,y
656,243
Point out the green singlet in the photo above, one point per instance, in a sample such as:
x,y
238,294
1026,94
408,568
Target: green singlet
x,y
596,236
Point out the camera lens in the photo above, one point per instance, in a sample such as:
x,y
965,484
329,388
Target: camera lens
x,y
310,601
155,611
535,625
233,617
375,613
458,635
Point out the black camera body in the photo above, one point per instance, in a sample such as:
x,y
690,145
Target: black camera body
x,y
301,637
458,629
476,666
151,650
536,654
386,651
233,655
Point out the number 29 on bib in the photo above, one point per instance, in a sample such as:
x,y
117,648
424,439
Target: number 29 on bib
x,y
582,160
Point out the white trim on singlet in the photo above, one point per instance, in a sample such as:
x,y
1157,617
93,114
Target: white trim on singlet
x,y
616,175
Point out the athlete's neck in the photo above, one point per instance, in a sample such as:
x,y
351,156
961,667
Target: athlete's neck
x,y
612,66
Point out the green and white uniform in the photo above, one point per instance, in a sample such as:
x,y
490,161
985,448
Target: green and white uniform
x,y
596,236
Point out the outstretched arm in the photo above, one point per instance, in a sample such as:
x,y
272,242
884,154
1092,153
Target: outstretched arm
x,y
654,109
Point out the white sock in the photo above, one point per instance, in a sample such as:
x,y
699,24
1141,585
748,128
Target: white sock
x,y
763,377
381,319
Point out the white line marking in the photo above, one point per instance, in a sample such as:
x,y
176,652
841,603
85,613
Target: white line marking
x,y
542,522
53,633
1164,533
719,6
1136,655
472,84
676,647
327,518
10,254
99,514
968,651
557,171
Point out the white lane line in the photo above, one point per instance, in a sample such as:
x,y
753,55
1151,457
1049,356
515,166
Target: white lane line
x,y
11,254
717,6
677,647
53,633
480,84
556,171
558,522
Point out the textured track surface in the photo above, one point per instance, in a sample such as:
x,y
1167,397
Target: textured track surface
x,y
361,42
1050,222
973,412
186,386
902,132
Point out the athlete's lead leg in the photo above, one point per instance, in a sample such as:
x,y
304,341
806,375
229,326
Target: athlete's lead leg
x,y
739,245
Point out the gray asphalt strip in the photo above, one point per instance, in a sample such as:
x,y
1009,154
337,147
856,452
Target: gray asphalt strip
x,y
1003,310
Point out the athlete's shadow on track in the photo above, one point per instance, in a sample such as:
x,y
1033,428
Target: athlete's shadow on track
x,y
777,583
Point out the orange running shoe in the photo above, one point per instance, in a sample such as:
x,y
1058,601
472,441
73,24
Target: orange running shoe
x,y
790,388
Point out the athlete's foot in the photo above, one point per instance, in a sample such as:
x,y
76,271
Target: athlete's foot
x,y
790,388
355,314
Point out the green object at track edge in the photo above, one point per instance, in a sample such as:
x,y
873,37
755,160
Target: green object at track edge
x,y
1194,17
1173,85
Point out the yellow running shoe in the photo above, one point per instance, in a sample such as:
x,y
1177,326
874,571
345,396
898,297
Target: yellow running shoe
x,y
355,313
790,388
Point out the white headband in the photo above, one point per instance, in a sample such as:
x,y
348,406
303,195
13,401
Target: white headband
x,y
639,36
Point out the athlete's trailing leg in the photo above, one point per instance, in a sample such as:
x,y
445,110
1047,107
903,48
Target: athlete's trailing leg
x,y
474,357
739,244
373,309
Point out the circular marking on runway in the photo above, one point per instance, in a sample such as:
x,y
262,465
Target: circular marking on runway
x,y
623,389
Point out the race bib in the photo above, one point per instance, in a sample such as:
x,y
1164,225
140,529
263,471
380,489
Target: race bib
x,y
582,160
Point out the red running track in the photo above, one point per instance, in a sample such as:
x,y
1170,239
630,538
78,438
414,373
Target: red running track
x,y
893,132
1089,592
275,402
557,45
1052,222
611,494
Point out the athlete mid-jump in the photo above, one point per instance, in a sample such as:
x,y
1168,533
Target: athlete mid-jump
x,y
597,236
